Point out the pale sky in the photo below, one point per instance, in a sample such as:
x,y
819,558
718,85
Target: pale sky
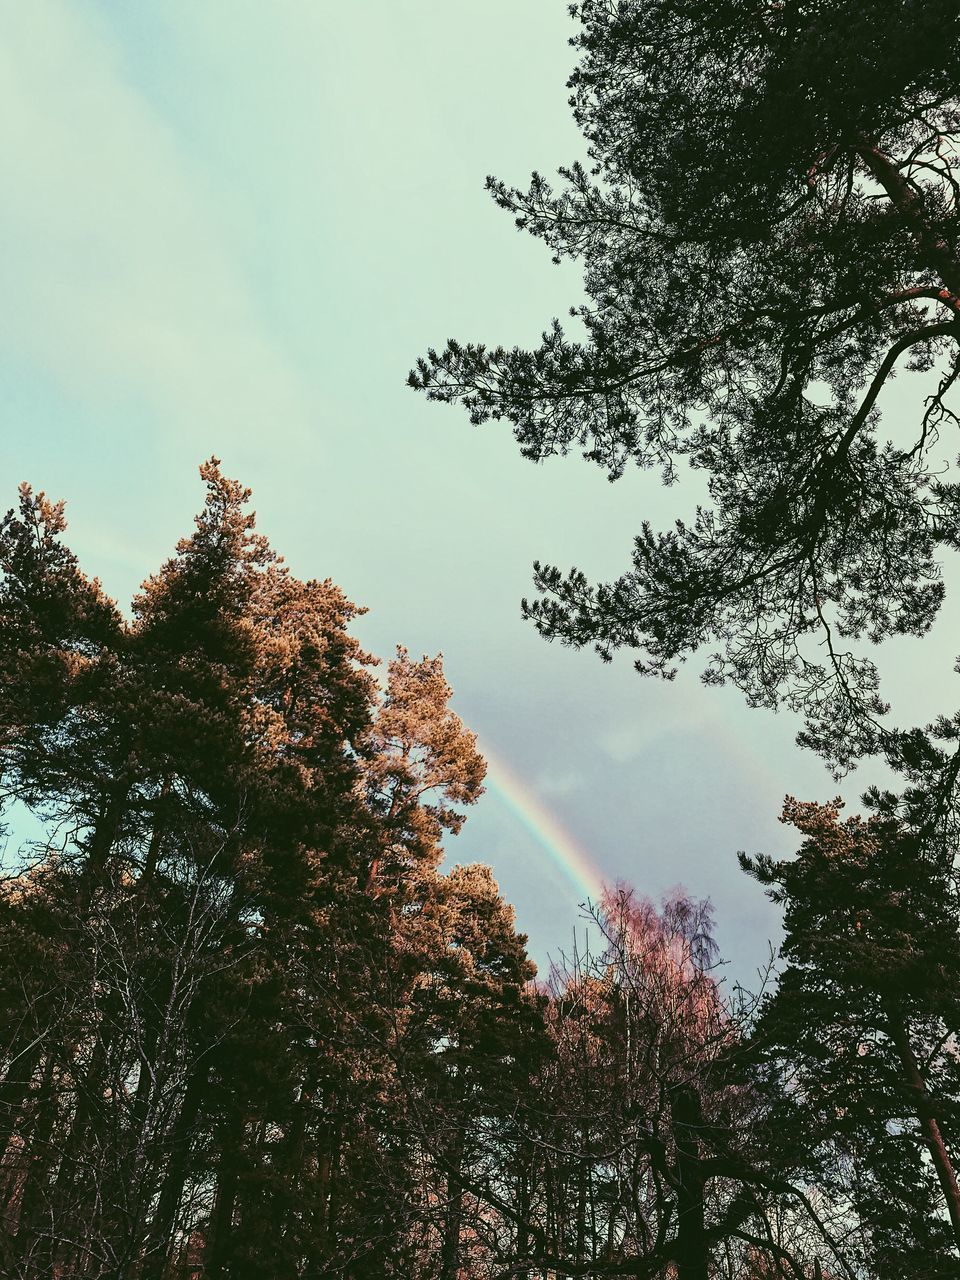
x,y
230,227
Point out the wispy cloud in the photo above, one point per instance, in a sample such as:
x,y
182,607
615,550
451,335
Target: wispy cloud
x,y
115,277
559,783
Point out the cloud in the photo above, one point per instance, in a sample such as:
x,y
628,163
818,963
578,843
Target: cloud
x,y
116,279
667,710
555,784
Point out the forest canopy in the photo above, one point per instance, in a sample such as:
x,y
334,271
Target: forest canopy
x,y
255,1021
251,1027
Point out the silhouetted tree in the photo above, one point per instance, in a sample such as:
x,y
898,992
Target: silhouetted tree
x,y
642,1147
863,1027
768,230
473,1029
211,963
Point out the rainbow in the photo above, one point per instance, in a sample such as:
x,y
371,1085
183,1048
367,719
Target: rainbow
x,y
564,852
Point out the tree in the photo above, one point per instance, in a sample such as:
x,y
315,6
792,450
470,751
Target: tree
x,y
211,959
643,1147
472,1028
768,228
419,761
863,1023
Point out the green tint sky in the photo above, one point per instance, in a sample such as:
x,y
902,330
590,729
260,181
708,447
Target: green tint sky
x,y
229,227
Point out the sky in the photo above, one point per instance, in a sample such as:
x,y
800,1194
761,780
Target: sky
x,y
230,228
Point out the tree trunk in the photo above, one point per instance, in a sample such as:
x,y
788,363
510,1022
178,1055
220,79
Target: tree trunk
x,y
523,1230
453,1217
581,1247
221,1219
164,1221
14,1090
929,1124
693,1255
934,249
104,835
156,839
38,1161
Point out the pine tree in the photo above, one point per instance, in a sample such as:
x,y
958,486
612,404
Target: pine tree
x,y
420,761
863,1022
201,760
213,1010
768,229
472,1029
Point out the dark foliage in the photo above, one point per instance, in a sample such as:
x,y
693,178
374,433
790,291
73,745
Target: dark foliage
x,y
768,231
235,991
249,1029
862,1029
